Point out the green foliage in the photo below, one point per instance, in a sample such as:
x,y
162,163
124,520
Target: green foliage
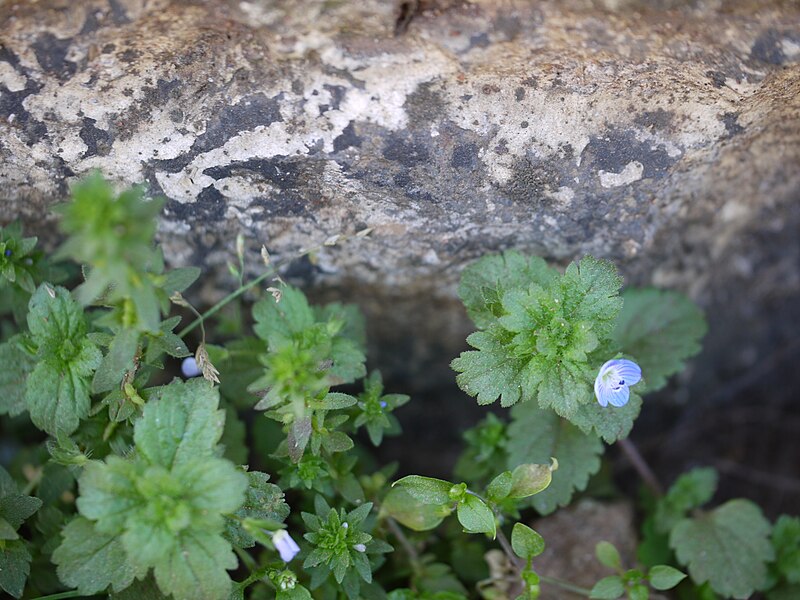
x,y
728,547
535,435
18,262
786,542
17,365
661,329
691,490
375,409
57,391
539,338
164,506
526,542
664,577
15,509
341,546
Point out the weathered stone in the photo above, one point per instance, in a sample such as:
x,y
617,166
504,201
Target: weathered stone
x,y
665,136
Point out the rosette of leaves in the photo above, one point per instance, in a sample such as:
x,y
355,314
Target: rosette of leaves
x,y
375,409
541,335
341,546
17,259
161,508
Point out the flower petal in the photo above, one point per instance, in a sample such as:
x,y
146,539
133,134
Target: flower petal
x,y
620,397
600,390
629,371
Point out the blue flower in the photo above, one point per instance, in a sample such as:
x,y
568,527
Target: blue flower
x,y
611,383
285,545
189,368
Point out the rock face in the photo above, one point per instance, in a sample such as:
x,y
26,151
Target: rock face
x,y
665,136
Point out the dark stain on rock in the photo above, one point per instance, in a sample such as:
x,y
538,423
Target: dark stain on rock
x,y
8,56
11,103
532,178
118,13
337,92
283,173
531,82
465,156
717,78
129,56
730,120
91,24
98,141
346,139
51,53
251,112
209,206
519,94
659,119
767,48
402,179
613,151
424,105
406,152
479,40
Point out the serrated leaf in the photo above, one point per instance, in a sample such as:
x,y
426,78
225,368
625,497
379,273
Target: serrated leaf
x,y
535,435
491,372
475,516
57,390
262,500
108,492
728,547
278,321
16,508
182,424
664,577
608,588
610,423
92,561
196,568
412,513
15,566
661,329
17,365
484,282
526,542
177,280
427,490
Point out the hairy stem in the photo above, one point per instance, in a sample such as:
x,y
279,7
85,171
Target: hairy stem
x,y
413,555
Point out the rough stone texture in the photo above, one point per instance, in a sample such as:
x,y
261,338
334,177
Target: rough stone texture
x,y
663,135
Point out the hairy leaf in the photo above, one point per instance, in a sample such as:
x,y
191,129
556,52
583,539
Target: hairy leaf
x,y
15,566
262,500
728,547
17,365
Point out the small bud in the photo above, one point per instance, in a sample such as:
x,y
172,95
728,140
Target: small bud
x,y
332,241
189,367
265,256
345,525
209,371
285,545
177,298
240,246
276,293
364,232
360,548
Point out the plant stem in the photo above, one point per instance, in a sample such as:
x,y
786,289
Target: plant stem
x,y
641,466
566,585
413,555
70,594
506,546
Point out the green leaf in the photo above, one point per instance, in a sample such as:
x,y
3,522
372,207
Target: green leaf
x,y
119,359
298,592
92,561
484,282
608,555
57,392
196,568
661,329
500,486
786,541
528,479
182,424
334,401
15,566
475,516
277,322
425,489
177,280
610,423
17,365
728,547
262,501
491,372
108,492
691,490
535,435
146,589
526,542
412,513
16,508
664,577
608,588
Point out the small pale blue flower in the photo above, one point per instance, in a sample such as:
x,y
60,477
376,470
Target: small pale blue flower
x,y
612,382
285,545
189,367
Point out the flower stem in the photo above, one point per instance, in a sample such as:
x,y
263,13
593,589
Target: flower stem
x,y
566,585
413,555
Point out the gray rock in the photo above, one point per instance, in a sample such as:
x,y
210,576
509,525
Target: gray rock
x,y
661,135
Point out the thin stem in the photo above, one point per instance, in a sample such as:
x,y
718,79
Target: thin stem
x,y
641,466
246,558
566,585
70,594
506,546
413,555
